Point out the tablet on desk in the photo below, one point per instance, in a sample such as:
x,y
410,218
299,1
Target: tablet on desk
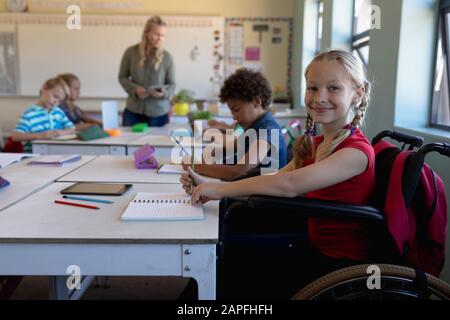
x,y
100,189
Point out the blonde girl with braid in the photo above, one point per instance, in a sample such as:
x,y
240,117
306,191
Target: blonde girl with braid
x,y
147,74
337,165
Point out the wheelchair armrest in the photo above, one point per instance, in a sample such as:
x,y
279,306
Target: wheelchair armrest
x,y
317,208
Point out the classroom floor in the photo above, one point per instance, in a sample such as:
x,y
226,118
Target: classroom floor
x,y
121,288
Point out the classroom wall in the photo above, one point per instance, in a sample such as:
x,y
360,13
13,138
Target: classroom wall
x,y
228,8
12,107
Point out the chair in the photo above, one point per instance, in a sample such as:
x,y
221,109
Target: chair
x,y
13,146
261,240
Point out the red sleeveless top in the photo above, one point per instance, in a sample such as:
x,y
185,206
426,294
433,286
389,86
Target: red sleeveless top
x,y
340,239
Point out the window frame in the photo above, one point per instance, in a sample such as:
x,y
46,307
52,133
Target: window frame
x,y
356,45
443,25
319,26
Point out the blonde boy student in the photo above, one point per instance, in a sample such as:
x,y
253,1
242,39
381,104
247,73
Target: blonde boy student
x,y
44,119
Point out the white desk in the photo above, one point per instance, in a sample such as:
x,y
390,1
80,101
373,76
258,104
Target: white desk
x,y
108,145
164,146
167,129
118,169
38,237
26,179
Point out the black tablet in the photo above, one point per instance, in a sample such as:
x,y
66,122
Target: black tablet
x,y
100,189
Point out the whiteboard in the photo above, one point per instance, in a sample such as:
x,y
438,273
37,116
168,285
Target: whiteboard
x,y
46,48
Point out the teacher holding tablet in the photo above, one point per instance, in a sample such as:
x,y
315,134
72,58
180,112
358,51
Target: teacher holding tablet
x,y
147,74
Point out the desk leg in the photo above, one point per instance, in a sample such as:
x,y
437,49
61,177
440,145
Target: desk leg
x,y
199,262
57,286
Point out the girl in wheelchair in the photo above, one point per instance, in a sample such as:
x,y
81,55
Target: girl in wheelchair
x,y
337,165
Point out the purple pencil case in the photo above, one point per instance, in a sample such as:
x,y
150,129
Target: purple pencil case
x,y
144,159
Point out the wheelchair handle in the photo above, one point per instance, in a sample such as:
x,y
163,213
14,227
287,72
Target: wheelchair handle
x,y
442,148
413,141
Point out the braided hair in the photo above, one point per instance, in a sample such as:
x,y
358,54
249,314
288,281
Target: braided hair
x,y
157,54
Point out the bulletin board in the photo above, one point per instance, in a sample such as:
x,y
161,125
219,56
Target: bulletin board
x,y
263,44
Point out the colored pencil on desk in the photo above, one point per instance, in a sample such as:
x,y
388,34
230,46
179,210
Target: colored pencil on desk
x,y
76,204
87,199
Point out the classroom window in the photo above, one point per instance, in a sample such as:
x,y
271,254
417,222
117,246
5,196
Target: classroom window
x,y
362,20
440,112
319,25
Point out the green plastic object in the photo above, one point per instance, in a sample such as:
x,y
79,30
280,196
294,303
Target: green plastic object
x,y
140,127
201,115
92,133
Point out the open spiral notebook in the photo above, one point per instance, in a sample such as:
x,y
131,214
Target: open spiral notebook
x,y
162,207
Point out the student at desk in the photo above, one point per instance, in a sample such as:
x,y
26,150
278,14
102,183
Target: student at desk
x,y
248,96
79,118
338,165
44,119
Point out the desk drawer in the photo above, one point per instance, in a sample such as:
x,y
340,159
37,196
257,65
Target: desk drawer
x,y
92,259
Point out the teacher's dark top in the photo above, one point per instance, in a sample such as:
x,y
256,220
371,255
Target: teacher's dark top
x,y
132,75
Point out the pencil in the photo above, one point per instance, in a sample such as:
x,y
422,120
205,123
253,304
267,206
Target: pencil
x,y
193,166
76,204
88,199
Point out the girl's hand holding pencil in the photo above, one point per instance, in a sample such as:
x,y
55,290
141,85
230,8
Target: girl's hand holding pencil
x,y
190,180
206,192
193,184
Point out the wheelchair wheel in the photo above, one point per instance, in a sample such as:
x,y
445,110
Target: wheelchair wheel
x,y
396,283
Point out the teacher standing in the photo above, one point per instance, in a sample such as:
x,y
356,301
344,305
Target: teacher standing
x,y
147,74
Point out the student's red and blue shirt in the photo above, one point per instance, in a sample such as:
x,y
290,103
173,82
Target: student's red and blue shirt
x,y
341,239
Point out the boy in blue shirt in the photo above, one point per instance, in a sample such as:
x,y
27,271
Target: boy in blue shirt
x,y
248,96
44,120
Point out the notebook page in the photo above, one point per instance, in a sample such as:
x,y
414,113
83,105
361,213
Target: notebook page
x,y
9,158
55,159
162,207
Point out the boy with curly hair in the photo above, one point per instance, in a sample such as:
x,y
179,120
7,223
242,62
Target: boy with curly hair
x,y
248,96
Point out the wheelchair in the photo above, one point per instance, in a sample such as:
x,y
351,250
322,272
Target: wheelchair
x,y
261,240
